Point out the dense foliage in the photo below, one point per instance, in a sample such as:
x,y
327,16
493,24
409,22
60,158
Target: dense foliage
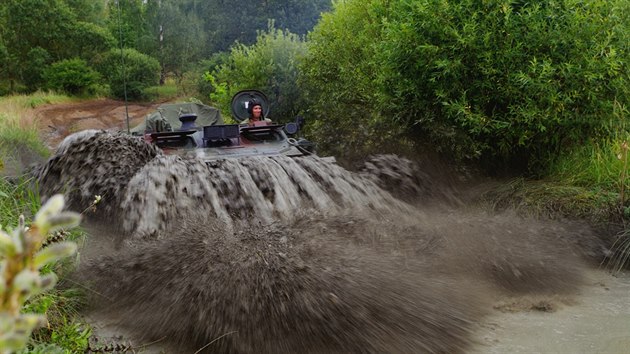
x,y
503,81
269,65
72,76
340,77
179,34
138,72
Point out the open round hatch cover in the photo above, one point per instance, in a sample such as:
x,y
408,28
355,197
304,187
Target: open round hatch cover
x,y
242,100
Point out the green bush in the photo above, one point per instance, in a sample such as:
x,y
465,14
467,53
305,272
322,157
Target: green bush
x,y
339,78
269,65
509,83
38,61
72,76
204,87
513,80
140,71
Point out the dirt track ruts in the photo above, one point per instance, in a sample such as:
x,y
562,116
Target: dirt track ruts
x,y
56,121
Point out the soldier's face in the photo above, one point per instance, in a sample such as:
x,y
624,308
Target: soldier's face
x,y
257,112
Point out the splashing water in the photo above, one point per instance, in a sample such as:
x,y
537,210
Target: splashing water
x,y
93,163
259,189
148,189
300,255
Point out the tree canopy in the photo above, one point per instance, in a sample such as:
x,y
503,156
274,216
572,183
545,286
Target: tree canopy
x,y
34,34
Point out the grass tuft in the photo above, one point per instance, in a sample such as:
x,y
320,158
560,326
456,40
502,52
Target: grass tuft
x,y
18,128
15,107
553,199
620,252
595,165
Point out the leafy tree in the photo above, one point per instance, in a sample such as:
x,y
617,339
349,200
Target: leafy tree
x,y
298,16
177,35
204,68
4,58
88,40
233,21
269,65
37,32
38,23
228,22
127,19
38,60
139,72
72,76
91,11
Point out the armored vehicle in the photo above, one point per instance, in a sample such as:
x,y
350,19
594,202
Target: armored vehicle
x,y
193,129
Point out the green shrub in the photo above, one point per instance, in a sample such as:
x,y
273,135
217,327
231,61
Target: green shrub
x,y
269,65
72,76
140,71
510,83
204,87
513,80
339,77
38,61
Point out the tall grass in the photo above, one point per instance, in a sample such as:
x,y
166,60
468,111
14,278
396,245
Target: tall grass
x,y
620,257
17,199
18,128
597,165
164,92
16,107
549,199
18,131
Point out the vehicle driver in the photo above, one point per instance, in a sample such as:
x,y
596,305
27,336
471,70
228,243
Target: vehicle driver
x,y
256,113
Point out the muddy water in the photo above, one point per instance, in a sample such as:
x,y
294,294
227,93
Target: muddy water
x,y
260,189
272,255
596,320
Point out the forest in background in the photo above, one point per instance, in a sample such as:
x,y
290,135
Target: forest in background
x,y
73,45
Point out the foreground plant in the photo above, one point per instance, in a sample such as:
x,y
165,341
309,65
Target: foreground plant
x,y
21,259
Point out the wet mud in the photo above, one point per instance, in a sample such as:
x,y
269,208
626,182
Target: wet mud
x,y
279,255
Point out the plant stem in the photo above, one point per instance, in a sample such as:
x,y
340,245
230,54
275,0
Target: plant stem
x,y
624,151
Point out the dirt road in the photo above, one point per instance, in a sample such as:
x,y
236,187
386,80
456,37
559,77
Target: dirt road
x,y
60,120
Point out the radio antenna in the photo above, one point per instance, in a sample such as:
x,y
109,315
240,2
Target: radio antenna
x,y
122,60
